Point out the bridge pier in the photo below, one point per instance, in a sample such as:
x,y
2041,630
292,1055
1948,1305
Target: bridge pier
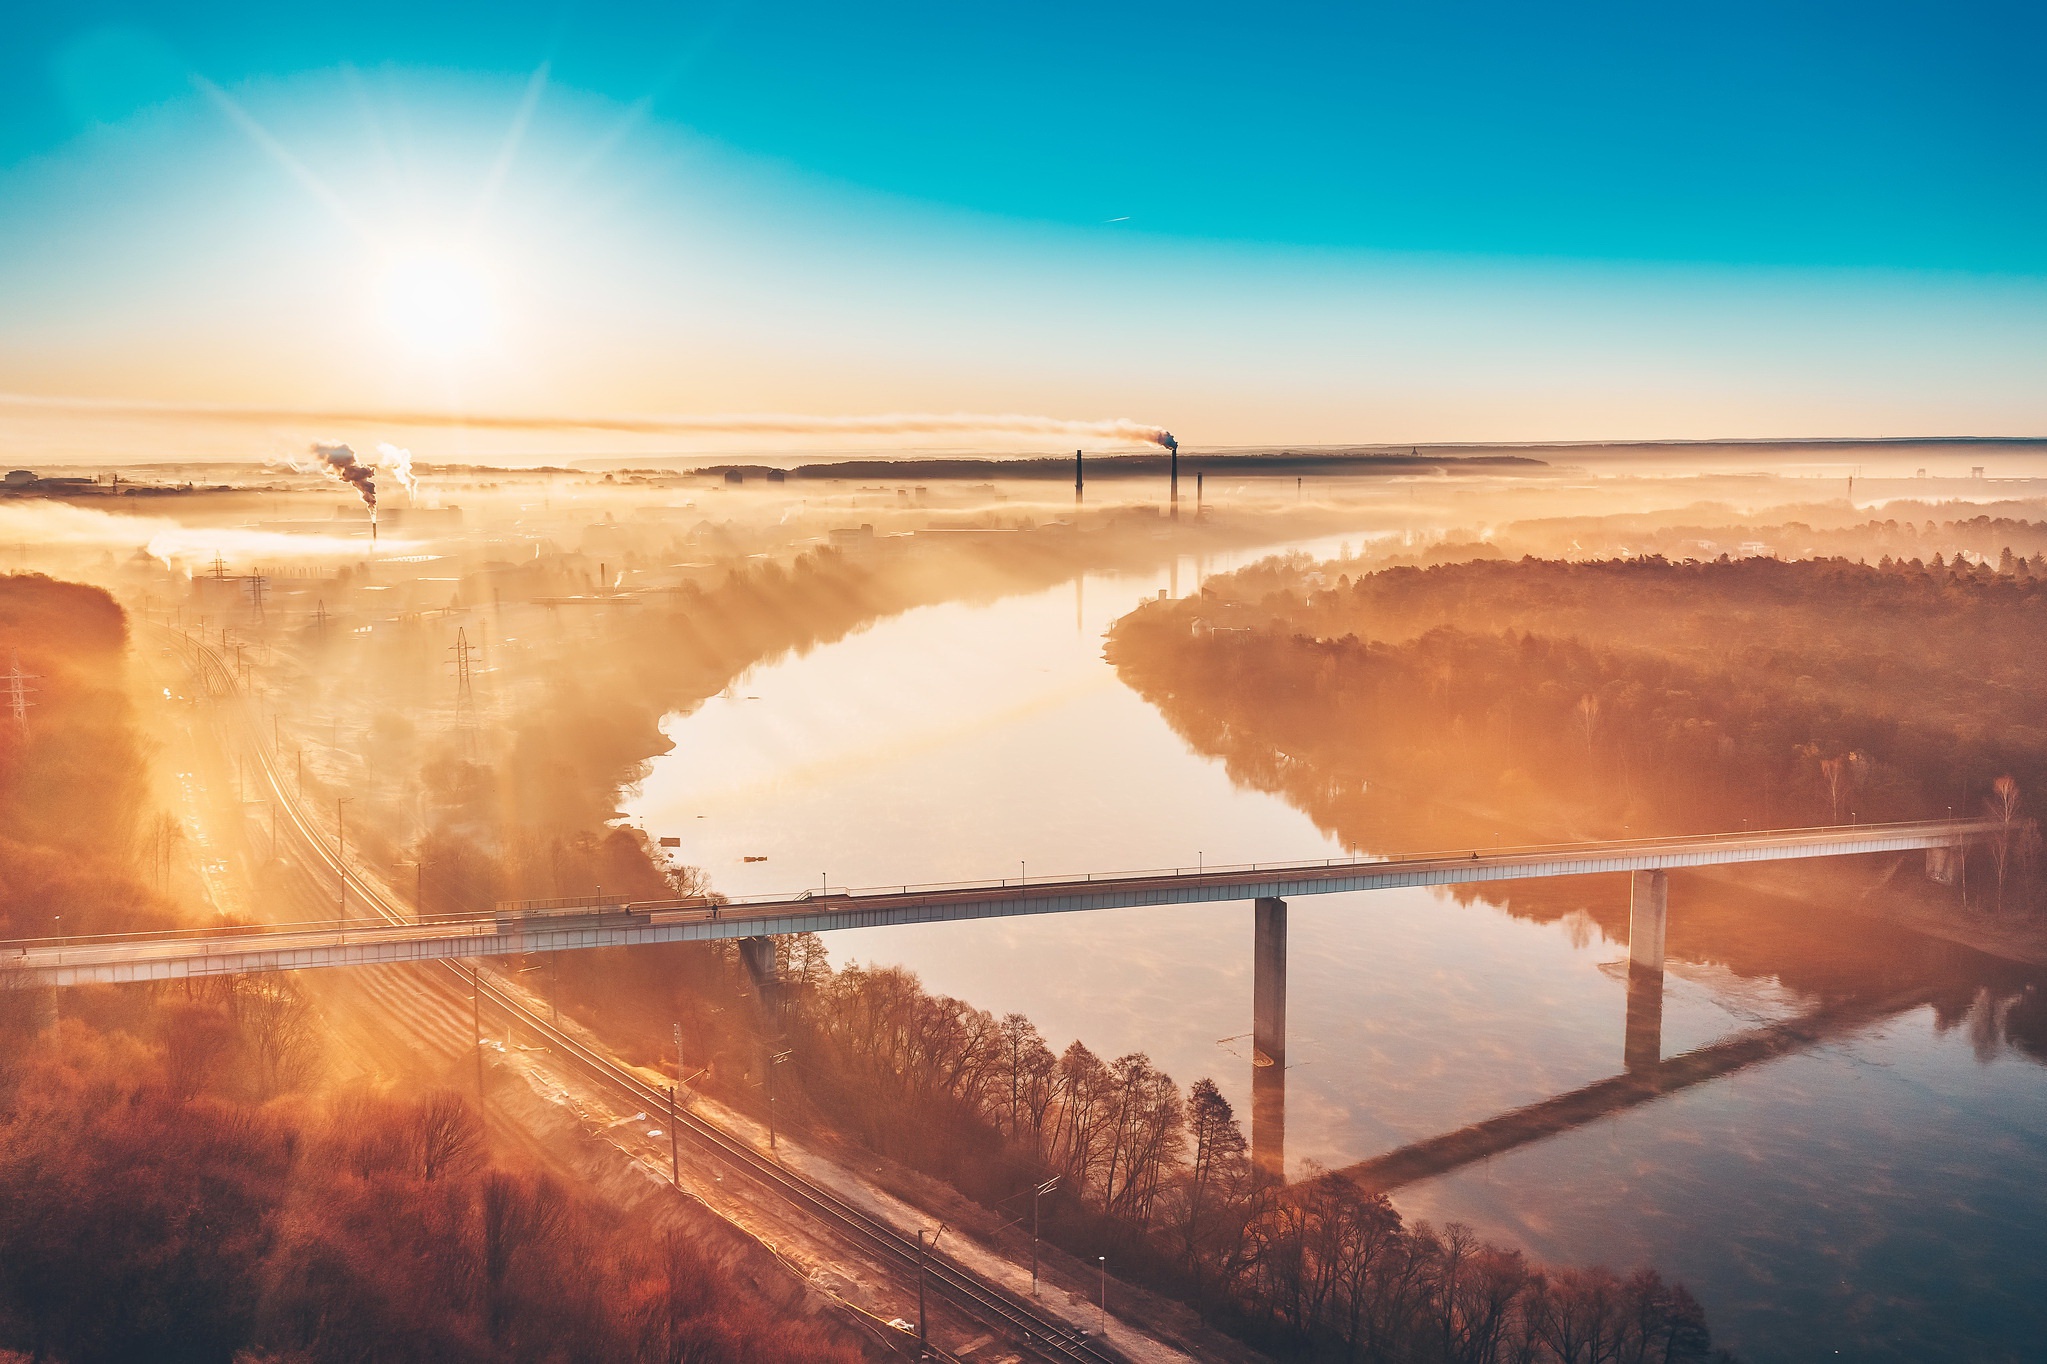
x,y
1648,909
758,954
1268,1037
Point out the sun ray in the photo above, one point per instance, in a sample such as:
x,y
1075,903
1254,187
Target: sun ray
x,y
508,151
278,152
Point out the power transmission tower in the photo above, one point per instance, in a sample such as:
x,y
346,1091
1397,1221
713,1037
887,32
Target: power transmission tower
x,y
257,584
465,694
18,689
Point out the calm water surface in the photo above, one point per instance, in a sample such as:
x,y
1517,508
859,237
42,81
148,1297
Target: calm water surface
x,y
1883,1197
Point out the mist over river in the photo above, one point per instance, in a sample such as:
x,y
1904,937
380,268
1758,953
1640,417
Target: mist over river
x,y
1878,1196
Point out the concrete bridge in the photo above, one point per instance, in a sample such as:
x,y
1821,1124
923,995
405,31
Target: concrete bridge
x,y
575,925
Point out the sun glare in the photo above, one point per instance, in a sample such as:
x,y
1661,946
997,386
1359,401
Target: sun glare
x,y
438,303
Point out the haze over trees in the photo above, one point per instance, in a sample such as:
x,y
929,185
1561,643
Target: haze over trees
x,y
179,1179
1476,702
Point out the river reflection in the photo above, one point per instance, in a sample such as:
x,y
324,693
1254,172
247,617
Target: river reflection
x,y
1874,1193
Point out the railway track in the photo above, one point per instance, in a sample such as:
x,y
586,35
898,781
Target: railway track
x,y
1012,1317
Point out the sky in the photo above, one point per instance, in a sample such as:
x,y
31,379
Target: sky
x,y
480,227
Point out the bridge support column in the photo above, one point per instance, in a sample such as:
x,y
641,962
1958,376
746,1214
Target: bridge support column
x,y
759,955
1648,908
1268,1037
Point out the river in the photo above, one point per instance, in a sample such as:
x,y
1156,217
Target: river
x,y
1878,1197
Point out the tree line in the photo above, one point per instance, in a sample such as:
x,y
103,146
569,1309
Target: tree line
x,y
1468,702
1162,1179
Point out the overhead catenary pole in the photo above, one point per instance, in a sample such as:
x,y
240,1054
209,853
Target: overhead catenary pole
x,y
674,1155
341,856
476,1022
1038,1192
774,1060
923,1258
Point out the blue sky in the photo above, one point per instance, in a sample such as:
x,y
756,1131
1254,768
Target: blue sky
x,y
1833,134
1533,192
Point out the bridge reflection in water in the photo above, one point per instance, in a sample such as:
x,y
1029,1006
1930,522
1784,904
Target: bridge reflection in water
x,y
1645,1074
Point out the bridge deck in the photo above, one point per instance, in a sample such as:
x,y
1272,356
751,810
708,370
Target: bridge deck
x,y
174,955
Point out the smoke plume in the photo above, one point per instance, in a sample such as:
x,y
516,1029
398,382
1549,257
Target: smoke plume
x,y
398,463
55,527
888,424
341,462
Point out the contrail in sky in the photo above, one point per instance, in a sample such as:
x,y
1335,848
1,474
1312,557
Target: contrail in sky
x,y
768,424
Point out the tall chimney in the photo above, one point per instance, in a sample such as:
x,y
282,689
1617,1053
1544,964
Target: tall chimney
x,y
1175,452
1079,478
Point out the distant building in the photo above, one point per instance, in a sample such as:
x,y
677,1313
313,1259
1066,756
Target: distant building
x,y
854,544
19,477
422,518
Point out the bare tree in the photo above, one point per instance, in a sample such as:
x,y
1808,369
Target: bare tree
x,y
1026,1061
195,1039
518,1216
445,1135
278,1025
1833,769
2003,806
1219,1148
1588,718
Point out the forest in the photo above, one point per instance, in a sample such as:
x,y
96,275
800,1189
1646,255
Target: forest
x,y
182,1178
1517,701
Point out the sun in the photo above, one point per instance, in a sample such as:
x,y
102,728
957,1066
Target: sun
x,y
438,304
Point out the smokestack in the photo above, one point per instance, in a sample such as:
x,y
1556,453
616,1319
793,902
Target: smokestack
x,y
1173,450
1079,478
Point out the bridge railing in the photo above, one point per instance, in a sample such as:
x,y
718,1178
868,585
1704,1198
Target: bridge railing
x,y
551,913
1815,833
